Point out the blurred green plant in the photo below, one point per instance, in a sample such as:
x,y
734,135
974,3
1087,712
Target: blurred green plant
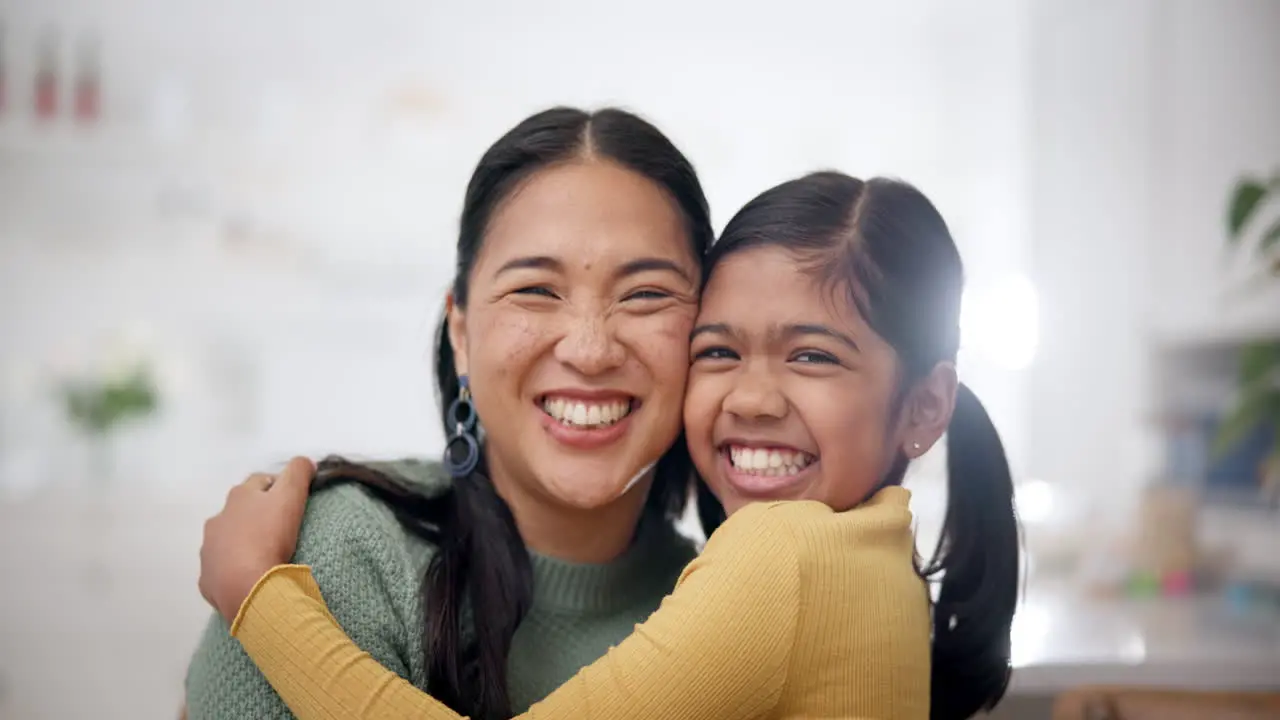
x,y
98,406
1251,229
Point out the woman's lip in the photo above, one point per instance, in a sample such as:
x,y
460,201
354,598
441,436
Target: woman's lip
x,y
764,487
585,438
587,395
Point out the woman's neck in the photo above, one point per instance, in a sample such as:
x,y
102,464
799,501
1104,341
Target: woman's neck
x,y
593,535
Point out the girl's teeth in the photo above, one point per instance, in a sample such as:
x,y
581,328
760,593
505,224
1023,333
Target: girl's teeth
x,y
580,414
759,461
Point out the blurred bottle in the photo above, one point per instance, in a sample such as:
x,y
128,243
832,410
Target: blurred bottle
x,y
3,75
88,89
46,80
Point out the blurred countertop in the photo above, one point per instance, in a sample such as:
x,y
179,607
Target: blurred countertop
x,y
1064,638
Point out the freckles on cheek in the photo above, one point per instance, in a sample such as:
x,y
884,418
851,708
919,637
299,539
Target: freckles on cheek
x,y
507,342
670,352
659,341
672,332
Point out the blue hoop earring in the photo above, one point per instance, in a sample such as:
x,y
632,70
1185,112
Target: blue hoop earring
x,y
462,452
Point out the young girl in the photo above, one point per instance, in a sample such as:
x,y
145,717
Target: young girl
x,y
823,362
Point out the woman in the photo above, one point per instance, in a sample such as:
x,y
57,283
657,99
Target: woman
x,y
822,390
579,265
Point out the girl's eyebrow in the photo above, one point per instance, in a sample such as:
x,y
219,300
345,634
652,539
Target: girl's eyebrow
x,y
823,330
786,331
711,329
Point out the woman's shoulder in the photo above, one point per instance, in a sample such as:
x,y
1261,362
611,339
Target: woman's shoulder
x,y
343,518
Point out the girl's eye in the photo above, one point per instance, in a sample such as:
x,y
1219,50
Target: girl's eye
x,y
716,353
815,356
541,290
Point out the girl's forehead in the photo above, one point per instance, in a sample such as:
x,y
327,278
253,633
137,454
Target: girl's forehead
x,y
768,286
764,279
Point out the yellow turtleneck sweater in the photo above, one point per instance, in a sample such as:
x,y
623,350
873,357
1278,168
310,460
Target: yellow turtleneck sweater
x,y
792,611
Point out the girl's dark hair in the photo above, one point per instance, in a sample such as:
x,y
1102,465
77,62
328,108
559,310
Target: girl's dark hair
x,y
479,584
884,243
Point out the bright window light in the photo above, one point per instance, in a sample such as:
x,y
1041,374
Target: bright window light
x,y
1001,322
1034,499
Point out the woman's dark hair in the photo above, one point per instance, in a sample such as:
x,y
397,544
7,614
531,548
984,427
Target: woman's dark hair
x,y
887,246
479,585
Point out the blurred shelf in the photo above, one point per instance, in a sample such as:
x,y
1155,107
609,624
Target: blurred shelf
x,y
1242,320
1228,334
63,144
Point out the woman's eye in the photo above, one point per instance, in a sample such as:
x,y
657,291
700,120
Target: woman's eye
x,y
648,295
716,353
815,356
541,290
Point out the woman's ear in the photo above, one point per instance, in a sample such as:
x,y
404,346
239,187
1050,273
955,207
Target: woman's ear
x,y
455,316
928,409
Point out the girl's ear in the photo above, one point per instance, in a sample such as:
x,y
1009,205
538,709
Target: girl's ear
x,y
928,409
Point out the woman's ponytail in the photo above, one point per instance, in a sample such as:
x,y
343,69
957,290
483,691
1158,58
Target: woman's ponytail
x,y
977,559
478,585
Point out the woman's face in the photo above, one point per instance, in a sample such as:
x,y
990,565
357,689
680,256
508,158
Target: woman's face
x,y
790,391
575,335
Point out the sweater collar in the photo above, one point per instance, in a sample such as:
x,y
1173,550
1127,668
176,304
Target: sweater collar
x,y
648,567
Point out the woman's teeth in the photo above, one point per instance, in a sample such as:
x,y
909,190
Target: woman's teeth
x,y
576,413
759,461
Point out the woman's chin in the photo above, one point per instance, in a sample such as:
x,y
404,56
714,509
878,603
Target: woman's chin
x,y
590,488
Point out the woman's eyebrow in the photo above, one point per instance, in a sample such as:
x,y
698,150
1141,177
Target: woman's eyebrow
x,y
532,262
652,264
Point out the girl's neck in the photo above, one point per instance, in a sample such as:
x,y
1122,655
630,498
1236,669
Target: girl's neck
x,y
593,536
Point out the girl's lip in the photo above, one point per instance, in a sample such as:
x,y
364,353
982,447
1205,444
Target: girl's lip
x,y
764,487
764,445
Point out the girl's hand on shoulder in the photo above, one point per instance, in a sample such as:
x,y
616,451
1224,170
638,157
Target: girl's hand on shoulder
x,y
256,531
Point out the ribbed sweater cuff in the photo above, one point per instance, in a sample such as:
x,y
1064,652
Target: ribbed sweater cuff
x,y
262,581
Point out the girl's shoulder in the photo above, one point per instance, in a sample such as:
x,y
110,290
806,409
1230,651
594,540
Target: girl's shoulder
x,y
809,524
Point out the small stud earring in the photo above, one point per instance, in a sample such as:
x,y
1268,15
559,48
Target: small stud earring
x,y
915,446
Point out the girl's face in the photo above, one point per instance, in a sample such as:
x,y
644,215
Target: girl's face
x,y
791,394
575,334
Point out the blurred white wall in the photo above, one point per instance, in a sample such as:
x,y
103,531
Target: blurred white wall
x,y
1142,116
336,143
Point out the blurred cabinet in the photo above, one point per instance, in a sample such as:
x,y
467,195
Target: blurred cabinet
x,y
100,611
1215,118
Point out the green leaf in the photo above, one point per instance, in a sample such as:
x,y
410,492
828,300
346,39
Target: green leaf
x,y
1258,361
1253,409
1246,197
1270,237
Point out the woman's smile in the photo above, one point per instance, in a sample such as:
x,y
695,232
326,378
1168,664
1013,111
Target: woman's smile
x,y
586,420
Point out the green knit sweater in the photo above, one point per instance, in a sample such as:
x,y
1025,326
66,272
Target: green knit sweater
x,y
370,569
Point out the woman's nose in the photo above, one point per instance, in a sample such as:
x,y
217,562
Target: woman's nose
x,y
590,346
